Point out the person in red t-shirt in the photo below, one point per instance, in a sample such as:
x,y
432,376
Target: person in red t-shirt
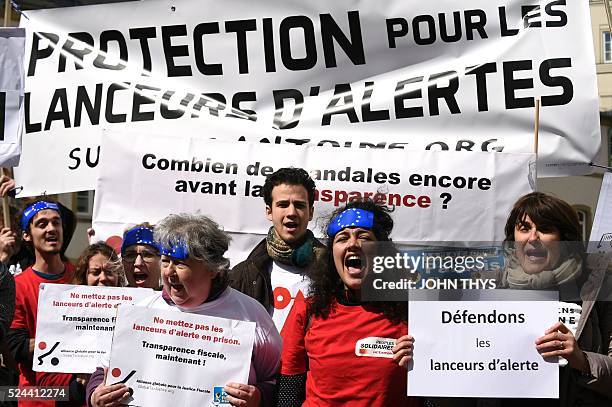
x,y
337,349
43,230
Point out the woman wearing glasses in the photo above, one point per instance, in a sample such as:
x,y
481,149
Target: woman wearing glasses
x,y
99,265
140,257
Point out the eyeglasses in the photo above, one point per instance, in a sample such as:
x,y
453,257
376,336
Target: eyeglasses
x,y
147,256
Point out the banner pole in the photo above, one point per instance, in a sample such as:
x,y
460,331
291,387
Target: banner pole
x,y
536,127
6,210
7,12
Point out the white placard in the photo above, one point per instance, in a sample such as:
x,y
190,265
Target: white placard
x,y
12,43
438,196
75,323
183,359
393,74
455,355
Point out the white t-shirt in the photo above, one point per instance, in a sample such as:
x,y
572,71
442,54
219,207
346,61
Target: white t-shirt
x,y
232,304
288,283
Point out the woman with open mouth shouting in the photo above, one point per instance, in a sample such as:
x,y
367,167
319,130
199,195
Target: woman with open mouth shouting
x,y
547,252
194,275
140,257
337,349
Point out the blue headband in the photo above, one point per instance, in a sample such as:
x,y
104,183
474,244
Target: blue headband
x,y
33,209
137,235
178,251
359,218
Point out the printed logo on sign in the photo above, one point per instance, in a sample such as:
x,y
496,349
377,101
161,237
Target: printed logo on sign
x,y
219,396
375,347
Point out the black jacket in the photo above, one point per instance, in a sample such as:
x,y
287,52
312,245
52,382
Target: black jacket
x,y
252,276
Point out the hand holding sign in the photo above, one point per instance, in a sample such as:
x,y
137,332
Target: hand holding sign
x,y
559,341
243,395
402,351
112,395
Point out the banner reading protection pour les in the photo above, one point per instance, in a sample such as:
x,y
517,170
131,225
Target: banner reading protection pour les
x,y
437,195
439,75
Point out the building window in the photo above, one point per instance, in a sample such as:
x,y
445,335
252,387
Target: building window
x,y
84,203
607,47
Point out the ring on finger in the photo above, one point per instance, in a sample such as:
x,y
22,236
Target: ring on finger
x,y
561,345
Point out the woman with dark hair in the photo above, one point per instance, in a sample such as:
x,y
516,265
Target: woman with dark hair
x,y
548,253
323,360
99,265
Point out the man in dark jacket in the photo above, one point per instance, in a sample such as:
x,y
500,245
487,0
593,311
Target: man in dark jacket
x,y
277,270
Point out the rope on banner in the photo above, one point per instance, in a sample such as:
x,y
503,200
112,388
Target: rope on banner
x,y
600,166
17,9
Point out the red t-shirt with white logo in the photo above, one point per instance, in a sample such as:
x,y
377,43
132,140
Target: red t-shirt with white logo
x,y
328,352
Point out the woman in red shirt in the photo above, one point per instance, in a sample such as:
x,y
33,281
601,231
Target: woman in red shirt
x,y
337,349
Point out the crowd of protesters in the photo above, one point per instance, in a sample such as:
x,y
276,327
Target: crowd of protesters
x,y
304,297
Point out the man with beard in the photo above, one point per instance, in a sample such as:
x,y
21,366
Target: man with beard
x,y
43,229
277,270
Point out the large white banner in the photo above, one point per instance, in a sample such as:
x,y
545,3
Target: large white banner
x,y
434,75
483,348
437,195
75,324
183,359
12,47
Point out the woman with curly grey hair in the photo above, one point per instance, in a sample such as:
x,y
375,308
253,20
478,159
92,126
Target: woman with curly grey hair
x,y
194,276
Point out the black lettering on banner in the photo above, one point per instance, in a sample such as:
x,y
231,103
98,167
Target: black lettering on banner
x,y
447,93
503,24
240,27
36,53
341,91
393,33
475,20
2,114
401,111
212,101
353,48
173,51
511,84
480,72
105,38
83,101
279,97
59,97
29,127
76,158
170,114
198,48
531,15
138,100
240,97
269,57
310,45
444,35
110,97
143,34
79,54
367,114
556,81
431,29
562,22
